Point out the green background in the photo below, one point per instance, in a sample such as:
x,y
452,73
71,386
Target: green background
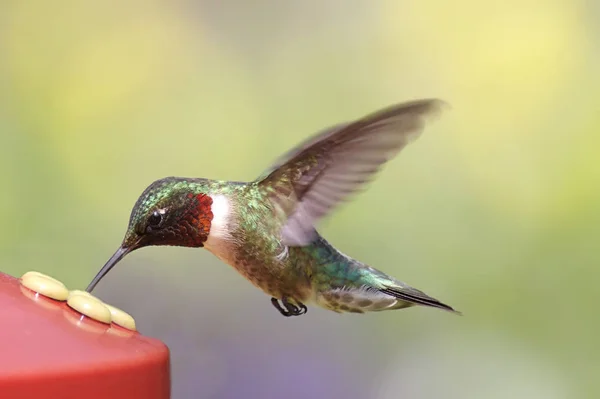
x,y
495,210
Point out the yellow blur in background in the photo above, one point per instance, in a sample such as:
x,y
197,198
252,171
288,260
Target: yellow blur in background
x,y
495,210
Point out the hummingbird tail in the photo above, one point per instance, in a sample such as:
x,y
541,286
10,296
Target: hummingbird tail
x,y
375,297
414,296
343,284
371,291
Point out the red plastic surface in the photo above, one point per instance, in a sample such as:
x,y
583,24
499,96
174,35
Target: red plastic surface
x,y
48,350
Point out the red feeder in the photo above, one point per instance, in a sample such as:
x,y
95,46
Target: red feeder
x,y
48,350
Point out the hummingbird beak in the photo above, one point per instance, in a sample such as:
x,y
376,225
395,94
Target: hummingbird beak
x,y
120,254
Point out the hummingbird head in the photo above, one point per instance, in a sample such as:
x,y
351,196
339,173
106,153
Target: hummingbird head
x,y
168,212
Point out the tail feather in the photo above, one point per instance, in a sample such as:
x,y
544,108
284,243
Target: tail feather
x,y
413,295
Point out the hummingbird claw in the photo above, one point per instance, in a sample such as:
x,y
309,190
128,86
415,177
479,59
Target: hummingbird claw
x,y
288,309
275,303
303,308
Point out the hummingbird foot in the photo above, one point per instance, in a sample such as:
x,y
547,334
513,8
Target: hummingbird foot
x,y
288,309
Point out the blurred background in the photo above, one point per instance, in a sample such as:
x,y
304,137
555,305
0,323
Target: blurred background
x,y
495,210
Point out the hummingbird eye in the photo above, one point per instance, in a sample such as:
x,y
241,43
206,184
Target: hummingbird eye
x,y
155,219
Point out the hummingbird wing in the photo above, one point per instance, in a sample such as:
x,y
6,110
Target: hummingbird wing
x,y
319,136
309,181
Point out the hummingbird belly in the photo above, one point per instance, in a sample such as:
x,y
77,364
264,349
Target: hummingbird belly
x,y
277,278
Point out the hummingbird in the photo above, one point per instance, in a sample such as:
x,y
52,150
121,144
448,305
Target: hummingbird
x,y
266,228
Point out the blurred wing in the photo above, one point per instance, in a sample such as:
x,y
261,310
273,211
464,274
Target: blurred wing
x,y
318,137
308,182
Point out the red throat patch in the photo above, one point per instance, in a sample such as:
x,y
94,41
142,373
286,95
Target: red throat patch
x,y
205,210
200,215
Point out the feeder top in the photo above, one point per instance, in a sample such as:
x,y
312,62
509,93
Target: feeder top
x,y
44,341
